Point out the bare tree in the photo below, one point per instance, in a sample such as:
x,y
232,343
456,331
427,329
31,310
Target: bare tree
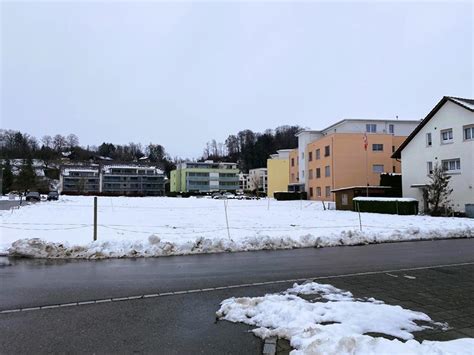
x,y
47,141
59,142
72,140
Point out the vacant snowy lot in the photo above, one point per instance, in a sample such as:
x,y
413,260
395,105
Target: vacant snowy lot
x,y
155,226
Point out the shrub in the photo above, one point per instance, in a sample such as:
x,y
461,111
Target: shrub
x,y
289,196
388,207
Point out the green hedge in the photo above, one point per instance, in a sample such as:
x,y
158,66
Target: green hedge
x,y
388,207
289,196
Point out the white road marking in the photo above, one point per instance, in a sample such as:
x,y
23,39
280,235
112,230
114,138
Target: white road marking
x,y
255,284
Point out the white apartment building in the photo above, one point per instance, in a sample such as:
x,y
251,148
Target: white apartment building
x,y
258,179
444,137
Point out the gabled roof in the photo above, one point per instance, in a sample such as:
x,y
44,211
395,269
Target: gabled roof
x,y
468,104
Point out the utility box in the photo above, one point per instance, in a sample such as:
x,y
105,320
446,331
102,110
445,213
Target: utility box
x,y
470,210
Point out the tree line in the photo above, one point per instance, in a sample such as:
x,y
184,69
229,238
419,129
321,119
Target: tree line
x,y
250,149
51,150
247,148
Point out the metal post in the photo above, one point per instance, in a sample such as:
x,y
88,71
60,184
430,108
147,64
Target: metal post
x,y
360,220
226,218
95,218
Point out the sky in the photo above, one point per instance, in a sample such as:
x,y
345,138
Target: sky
x,y
182,73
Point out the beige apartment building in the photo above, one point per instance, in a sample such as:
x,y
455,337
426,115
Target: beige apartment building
x,y
352,152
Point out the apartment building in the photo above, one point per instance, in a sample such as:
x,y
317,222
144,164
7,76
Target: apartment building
x,y
206,176
132,180
351,152
244,182
444,137
278,167
119,179
295,185
258,180
79,179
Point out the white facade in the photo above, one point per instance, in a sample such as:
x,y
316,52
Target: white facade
x,y
258,179
395,127
244,183
456,152
304,138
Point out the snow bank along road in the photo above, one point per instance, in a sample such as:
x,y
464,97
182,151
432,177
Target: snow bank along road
x,y
185,322
141,227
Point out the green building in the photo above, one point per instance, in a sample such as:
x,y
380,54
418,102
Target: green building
x,y
204,176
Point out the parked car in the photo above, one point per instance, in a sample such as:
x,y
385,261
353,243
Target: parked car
x,y
216,196
53,196
229,195
33,196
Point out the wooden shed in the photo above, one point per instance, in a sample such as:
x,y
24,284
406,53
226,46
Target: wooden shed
x,y
345,195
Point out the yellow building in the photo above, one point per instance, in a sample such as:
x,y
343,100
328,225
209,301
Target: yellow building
x,y
278,167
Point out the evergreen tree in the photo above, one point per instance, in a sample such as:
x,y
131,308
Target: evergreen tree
x,y
438,191
26,178
7,180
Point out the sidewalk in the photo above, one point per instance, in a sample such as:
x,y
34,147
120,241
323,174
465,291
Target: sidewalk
x,y
444,294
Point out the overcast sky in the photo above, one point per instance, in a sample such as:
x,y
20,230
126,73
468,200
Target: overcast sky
x,y
180,74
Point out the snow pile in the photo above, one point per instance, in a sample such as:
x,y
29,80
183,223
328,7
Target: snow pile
x,y
157,226
334,322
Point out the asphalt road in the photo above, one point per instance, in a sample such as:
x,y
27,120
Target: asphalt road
x,y
182,323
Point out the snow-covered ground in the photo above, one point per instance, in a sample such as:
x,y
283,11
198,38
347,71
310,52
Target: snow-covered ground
x,y
334,322
155,226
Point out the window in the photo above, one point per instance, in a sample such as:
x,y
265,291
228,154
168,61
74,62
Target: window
x,y
310,174
318,154
302,174
391,128
310,156
447,136
302,155
327,171
328,191
468,133
318,191
452,165
292,161
429,166
371,128
393,149
310,192
318,173
345,199
429,141
377,168
394,169
327,151
377,147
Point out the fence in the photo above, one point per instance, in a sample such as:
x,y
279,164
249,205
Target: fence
x,y
228,217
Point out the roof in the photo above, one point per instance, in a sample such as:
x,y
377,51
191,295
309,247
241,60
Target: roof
x,y
368,120
399,199
468,104
361,187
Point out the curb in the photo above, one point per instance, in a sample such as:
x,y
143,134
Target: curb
x,y
269,347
